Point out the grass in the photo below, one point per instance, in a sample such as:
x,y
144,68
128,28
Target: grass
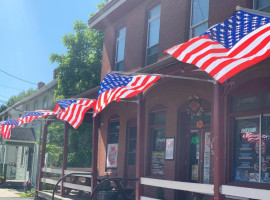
x,y
30,194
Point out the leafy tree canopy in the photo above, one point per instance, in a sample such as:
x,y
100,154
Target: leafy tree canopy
x,y
79,69
3,107
16,98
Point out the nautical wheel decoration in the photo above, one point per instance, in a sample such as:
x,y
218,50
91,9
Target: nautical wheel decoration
x,y
194,106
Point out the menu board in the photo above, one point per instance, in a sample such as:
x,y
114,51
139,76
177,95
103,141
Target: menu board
x,y
246,152
158,151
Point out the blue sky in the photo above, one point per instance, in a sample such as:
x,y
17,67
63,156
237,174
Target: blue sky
x,y
30,30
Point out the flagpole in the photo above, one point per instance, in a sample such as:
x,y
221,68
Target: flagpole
x,y
165,76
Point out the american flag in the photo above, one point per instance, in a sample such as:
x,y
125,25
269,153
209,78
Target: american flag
x,y
73,110
115,87
229,47
254,137
6,127
30,116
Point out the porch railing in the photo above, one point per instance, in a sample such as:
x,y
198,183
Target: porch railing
x,y
81,172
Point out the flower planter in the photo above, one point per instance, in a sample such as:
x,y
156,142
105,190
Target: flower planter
x,y
107,195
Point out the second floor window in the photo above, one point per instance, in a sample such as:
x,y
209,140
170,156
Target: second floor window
x,y
153,35
263,5
120,49
199,17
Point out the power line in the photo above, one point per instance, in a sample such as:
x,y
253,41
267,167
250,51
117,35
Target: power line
x,y
17,77
11,88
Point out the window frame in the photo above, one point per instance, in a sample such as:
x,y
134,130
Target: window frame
x,y
149,20
116,48
191,27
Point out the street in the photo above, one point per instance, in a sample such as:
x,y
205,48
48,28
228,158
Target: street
x,y
10,194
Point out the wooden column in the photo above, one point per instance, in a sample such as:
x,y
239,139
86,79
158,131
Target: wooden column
x,y
219,144
65,155
140,146
42,156
96,122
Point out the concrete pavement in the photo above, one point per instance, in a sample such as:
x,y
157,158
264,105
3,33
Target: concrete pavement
x,y
10,194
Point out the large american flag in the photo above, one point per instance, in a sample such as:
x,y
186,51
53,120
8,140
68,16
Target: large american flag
x,y
254,137
116,87
30,116
6,127
73,110
227,48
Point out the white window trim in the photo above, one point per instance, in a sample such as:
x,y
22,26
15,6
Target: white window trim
x,y
191,27
116,46
148,25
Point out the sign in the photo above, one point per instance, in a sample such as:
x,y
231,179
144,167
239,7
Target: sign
x,y
112,153
207,155
169,148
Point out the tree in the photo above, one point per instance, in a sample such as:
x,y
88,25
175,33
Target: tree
x,y
79,69
16,98
2,108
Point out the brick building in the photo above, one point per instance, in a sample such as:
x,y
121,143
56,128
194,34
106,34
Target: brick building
x,y
202,119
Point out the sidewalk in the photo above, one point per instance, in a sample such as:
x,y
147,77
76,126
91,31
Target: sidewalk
x,y
10,194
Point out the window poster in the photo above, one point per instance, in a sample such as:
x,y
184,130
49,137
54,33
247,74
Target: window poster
x,y
207,155
158,151
112,153
169,148
246,150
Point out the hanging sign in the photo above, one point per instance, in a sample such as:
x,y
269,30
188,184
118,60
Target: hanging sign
x,y
112,153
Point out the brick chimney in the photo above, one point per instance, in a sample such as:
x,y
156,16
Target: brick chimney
x,y
40,85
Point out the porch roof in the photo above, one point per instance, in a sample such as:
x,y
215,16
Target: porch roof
x,y
22,136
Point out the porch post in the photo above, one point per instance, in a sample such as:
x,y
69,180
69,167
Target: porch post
x,y
219,147
65,155
96,121
42,156
140,146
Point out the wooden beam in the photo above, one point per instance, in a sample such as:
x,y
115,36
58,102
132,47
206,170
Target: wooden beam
x,y
65,155
219,146
140,146
96,122
42,157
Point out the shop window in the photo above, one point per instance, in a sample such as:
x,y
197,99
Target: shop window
x,y
153,35
132,145
158,132
263,5
114,131
252,149
120,49
199,17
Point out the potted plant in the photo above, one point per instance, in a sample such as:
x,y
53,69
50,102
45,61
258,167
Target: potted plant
x,y
106,192
2,179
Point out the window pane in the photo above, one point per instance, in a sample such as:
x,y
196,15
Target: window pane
x,y
198,30
262,5
265,170
121,32
200,10
246,150
158,151
154,12
114,132
158,118
119,66
131,159
245,103
120,50
153,34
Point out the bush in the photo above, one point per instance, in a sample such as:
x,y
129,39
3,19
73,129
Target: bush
x,y
30,193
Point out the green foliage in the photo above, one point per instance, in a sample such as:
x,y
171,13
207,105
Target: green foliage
x,y
30,193
15,98
47,186
79,69
1,176
2,108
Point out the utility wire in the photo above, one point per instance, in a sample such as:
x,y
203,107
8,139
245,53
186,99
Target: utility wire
x,y
17,77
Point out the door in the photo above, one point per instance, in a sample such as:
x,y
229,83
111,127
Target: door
x,y
131,154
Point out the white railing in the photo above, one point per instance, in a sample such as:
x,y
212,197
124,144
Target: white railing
x,y
176,185
74,186
244,193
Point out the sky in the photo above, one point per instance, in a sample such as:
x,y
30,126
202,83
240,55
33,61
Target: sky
x,y
30,31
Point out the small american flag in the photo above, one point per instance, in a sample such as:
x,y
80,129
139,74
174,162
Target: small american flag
x,y
73,110
227,48
30,116
115,87
254,137
7,126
